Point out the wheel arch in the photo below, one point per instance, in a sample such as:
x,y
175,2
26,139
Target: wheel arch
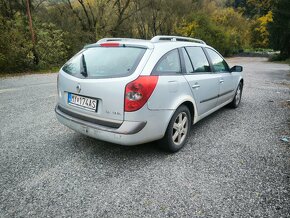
x,y
242,82
164,141
191,108
190,104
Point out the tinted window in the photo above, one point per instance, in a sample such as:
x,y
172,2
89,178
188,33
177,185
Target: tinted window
x,y
198,59
218,62
169,63
105,62
187,62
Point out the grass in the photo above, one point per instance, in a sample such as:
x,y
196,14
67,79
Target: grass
x,y
42,71
287,61
277,59
258,50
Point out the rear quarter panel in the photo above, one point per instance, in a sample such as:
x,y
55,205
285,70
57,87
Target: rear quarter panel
x,y
170,93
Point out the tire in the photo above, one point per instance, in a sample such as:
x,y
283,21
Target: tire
x,y
177,131
238,96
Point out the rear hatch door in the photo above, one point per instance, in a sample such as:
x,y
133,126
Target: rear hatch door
x,y
93,82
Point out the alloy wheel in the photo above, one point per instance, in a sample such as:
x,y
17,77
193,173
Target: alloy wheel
x,y
238,95
180,128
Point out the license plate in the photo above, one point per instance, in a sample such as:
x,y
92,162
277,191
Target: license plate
x,y
83,102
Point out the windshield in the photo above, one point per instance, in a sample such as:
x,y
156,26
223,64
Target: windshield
x,y
102,62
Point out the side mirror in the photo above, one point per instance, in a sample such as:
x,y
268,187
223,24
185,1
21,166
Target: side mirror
x,y
236,69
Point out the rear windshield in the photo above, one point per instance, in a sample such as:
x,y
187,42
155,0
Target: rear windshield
x,y
103,62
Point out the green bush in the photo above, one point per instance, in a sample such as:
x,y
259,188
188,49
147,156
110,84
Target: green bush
x,y
15,47
225,30
51,47
17,53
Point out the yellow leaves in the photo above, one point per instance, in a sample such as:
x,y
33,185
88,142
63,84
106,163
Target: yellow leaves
x,y
235,25
188,29
224,28
228,17
264,20
260,36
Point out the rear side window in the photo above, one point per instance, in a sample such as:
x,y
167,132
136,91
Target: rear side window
x,y
198,59
102,62
219,64
168,64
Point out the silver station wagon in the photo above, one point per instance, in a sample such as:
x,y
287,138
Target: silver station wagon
x,y
130,91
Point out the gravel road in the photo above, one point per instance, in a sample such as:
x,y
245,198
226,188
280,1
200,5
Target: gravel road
x,y
235,164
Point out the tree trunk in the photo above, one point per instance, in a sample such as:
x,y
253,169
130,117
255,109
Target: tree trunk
x,y
36,59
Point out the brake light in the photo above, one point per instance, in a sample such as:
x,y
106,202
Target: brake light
x,y
110,44
138,92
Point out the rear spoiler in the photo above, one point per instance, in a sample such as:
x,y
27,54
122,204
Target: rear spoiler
x,y
120,44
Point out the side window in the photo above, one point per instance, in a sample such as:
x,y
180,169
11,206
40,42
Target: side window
x,y
169,63
218,62
187,62
198,59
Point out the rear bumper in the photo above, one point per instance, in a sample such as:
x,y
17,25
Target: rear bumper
x,y
128,134
127,127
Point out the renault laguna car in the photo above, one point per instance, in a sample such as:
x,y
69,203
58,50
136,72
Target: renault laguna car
x,y
130,91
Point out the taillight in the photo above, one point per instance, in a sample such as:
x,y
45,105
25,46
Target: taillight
x,y
138,92
110,44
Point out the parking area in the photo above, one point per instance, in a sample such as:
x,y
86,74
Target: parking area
x,y
234,164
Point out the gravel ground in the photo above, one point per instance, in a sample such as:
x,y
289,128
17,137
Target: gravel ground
x,y
234,165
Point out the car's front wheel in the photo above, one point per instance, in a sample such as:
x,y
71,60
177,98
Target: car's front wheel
x,y
177,131
238,96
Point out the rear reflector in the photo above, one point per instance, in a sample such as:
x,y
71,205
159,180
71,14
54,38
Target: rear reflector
x,y
110,44
138,92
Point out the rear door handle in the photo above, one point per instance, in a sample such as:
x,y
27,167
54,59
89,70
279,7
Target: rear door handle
x,y
221,81
196,85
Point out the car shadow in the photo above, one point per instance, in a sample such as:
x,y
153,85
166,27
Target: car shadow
x,y
120,158
212,116
98,147
92,154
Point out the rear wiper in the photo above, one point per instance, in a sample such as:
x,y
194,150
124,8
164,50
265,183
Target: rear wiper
x,y
84,70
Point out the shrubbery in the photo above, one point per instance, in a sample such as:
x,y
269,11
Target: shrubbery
x,y
225,29
16,49
51,47
64,27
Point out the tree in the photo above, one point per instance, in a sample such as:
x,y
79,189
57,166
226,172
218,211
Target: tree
x,y
15,45
280,28
260,33
155,17
223,28
51,45
254,8
63,27
33,39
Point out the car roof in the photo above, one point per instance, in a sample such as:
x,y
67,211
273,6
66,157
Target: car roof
x,y
155,42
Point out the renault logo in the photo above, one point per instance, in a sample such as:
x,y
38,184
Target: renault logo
x,y
79,88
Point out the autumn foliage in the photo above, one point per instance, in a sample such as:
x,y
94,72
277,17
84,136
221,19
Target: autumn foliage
x,y
62,27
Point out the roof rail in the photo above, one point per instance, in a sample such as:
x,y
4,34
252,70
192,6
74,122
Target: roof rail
x,y
116,39
175,38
